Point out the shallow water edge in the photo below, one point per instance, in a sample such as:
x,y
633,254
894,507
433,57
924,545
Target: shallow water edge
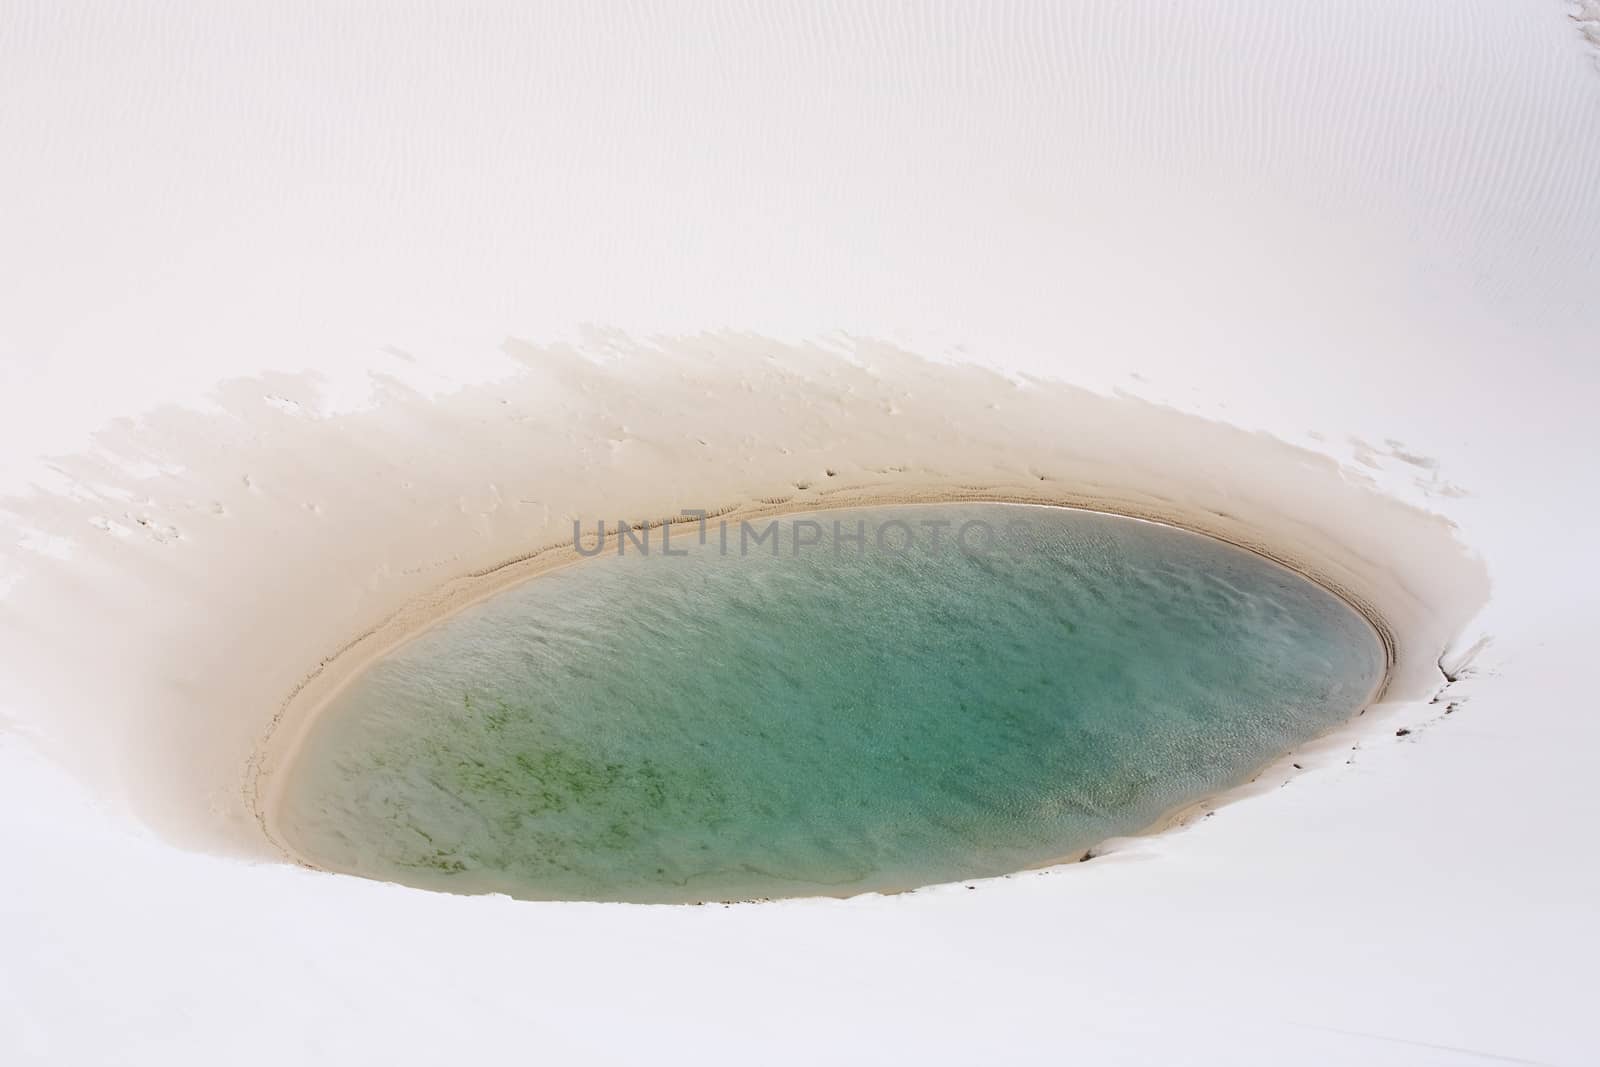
x,y
281,744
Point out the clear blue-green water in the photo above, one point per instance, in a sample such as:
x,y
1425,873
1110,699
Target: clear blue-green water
x,y
830,720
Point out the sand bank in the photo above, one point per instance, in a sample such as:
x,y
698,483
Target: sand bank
x,y
338,537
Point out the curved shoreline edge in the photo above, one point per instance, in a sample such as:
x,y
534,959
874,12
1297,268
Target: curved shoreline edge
x,y
282,740
277,550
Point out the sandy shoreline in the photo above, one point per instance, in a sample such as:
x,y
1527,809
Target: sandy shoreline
x,y
282,740
422,504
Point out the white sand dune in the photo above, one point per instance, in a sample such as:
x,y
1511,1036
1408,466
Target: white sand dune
x,y
1320,279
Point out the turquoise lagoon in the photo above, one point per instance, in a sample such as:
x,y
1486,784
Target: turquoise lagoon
x,y
835,717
